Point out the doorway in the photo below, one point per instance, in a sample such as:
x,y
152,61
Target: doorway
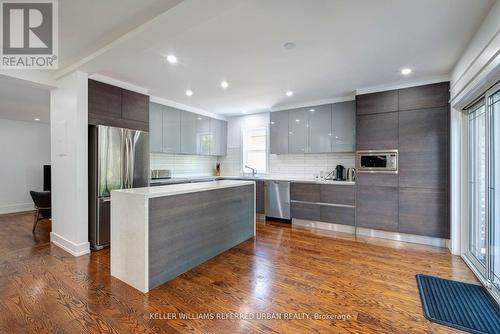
x,y
483,194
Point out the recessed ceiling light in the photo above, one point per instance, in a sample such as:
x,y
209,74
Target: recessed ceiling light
x,y
289,93
37,119
172,59
406,71
224,84
189,92
312,110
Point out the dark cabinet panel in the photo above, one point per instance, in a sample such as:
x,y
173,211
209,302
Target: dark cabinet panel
x,y
259,197
337,194
377,132
423,148
377,207
114,106
427,96
105,101
377,179
375,103
424,212
135,106
305,192
305,211
337,215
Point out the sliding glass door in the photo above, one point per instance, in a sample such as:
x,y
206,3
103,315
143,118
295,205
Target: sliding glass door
x,y
493,101
483,173
477,184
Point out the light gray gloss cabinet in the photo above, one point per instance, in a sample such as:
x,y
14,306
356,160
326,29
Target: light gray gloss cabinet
x,y
218,144
278,132
171,127
320,129
298,132
203,135
344,126
155,128
188,133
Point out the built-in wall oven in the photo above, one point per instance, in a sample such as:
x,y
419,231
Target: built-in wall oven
x,y
377,161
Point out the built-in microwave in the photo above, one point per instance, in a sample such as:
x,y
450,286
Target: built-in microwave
x,y
383,161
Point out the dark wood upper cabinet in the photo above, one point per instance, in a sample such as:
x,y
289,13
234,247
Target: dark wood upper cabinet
x,y
427,96
105,101
135,106
114,106
377,132
376,103
424,148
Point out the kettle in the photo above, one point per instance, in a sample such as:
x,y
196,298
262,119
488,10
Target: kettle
x,y
339,173
351,174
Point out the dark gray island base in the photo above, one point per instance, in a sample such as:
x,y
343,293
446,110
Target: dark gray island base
x,y
184,225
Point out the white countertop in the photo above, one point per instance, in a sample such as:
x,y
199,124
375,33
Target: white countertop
x,y
184,188
291,179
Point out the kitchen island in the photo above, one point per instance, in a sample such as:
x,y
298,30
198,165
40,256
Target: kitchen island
x,y
158,233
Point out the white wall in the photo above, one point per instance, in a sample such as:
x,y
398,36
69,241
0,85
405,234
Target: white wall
x,y
69,143
477,69
25,148
286,165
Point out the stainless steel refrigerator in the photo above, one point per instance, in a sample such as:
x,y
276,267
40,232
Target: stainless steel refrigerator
x,y
118,159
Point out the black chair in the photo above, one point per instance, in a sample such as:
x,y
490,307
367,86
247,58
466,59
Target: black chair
x,y
42,200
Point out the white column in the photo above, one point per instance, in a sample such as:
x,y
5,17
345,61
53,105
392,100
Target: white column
x,y
69,147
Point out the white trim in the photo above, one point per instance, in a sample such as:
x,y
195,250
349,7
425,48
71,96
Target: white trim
x,y
410,238
70,247
118,83
173,104
405,84
17,207
315,103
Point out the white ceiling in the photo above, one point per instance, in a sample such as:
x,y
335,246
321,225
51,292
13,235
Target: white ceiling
x,y
85,26
341,46
22,101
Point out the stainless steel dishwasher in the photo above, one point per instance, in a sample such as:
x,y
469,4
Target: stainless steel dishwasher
x,y
277,196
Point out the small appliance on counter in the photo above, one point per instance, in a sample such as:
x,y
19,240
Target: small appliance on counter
x,y
340,173
160,174
351,174
217,169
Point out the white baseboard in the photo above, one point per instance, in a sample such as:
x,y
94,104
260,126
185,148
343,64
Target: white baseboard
x,y
411,238
70,247
18,207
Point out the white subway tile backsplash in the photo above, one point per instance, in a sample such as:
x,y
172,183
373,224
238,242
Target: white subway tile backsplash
x,y
184,165
290,165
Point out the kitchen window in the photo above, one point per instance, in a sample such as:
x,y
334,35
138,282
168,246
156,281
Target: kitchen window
x,y
255,149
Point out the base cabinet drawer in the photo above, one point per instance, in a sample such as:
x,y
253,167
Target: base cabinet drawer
x,y
337,215
305,211
377,207
305,192
424,212
337,194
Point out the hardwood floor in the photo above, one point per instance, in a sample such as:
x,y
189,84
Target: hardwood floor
x,y
283,270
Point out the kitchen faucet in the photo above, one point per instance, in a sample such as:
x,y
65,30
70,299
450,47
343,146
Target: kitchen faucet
x,y
254,171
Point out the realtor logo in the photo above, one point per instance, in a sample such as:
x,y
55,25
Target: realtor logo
x,y
29,34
